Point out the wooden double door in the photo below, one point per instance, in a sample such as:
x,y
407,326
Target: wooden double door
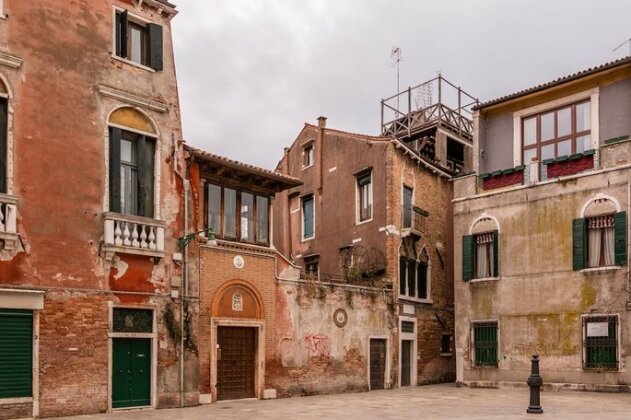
x,y
236,362
377,363
131,372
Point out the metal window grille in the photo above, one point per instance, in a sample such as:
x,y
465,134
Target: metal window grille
x,y
485,343
601,342
407,326
132,320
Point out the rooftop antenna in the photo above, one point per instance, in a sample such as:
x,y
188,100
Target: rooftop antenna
x,y
395,55
628,41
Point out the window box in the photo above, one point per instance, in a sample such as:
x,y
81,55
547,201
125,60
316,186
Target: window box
x,y
124,233
564,166
503,178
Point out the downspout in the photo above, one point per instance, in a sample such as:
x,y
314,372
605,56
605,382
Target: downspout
x,y
184,289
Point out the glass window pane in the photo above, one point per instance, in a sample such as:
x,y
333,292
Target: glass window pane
x,y
583,143
547,152
247,217
136,45
214,208
127,151
307,218
529,155
583,117
564,122
262,219
402,274
530,131
564,148
129,190
547,126
229,211
411,278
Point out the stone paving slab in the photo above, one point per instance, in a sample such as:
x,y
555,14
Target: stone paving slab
x,y
425,402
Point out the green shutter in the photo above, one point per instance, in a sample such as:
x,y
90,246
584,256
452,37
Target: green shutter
x,y
115,169
155,46
121,34
145,176
578,244
3,144
16,353
620,220
496,253
467,257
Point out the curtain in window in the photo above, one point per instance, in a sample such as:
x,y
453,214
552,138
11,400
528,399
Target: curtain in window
x,y
601,241
484,255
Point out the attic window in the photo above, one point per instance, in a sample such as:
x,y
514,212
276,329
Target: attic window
x,y
138,41
455,155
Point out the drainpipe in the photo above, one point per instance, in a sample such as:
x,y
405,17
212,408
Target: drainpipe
x,y
184,289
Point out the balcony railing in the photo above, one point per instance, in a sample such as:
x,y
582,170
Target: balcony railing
x,y
413,219
133,235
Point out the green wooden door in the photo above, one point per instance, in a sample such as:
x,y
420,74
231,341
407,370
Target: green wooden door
x,y
16,353
131,372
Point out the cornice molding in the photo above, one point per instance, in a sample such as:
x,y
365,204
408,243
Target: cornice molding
x,y
132,98
9,60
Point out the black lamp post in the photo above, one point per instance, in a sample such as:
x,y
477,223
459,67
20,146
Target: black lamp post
x,y
535,382
184,240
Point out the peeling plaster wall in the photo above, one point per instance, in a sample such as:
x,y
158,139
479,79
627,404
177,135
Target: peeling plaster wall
x,y
539,299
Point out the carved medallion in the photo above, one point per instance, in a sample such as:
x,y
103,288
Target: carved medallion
x,y
238,261
237,302
340,317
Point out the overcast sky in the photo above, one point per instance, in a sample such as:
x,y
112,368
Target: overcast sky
x,y
252,72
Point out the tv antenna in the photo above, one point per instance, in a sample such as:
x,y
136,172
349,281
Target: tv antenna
x,y
628,41
395,55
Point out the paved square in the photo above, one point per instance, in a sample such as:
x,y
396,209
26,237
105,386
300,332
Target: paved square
x,y
425,402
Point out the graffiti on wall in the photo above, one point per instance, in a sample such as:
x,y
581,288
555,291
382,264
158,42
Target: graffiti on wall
x,y
318,345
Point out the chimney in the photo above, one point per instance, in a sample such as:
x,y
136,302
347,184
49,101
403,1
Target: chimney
x,y
319,151
321,122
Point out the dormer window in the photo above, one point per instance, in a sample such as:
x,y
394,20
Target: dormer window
x,y
138,41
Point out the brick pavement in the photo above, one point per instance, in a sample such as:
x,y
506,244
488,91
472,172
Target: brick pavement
x,y
425,402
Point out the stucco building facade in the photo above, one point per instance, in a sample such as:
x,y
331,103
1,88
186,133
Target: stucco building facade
x,y
90,209
541,235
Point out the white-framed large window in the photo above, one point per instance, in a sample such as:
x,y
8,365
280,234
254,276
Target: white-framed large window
x,y
364,196
564,126
308,217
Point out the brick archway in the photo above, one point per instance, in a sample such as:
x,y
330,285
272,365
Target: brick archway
x,y
237,299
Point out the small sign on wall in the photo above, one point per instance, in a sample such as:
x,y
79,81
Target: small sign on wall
x,y
598,329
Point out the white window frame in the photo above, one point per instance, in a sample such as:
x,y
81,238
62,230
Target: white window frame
x,y
136,19
584,347
9,97
2,15
591,94
302,217
309,150
485,217
358,203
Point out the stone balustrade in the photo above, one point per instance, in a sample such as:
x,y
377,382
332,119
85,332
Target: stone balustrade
x,y
133,235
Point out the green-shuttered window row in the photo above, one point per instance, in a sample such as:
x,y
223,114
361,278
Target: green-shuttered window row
x,y
470,263
581,243
16,353
485,343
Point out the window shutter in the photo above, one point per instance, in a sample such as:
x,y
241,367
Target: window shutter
x,y
115,169
496,253
145,176
467,257
121,34
578,244
3,144
155,46
16,350
620,221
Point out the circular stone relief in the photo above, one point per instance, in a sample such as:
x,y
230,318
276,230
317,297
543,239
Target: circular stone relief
x,y
238,261
340,317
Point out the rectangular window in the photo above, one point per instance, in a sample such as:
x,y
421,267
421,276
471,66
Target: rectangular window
x,y
240,215
600,342
601,241
555,133
364,196
131,173
413,278
484,258
307,156
485,343
445,344
132,320
308,218
312,267
138,41
407,207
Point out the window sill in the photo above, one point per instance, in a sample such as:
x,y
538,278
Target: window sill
x,y
133,63
16,400
415,300
307,239
446,354
307,167
485,367
484,279
597,270
361,222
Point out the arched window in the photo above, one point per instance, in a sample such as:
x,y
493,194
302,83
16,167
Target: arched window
x,y
132,145
4,131
599,237
414,273
480,250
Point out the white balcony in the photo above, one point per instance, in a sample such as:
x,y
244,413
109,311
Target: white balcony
x,y
129,234
8,225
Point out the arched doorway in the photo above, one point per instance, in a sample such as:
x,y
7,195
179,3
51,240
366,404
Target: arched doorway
x,y
237,341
